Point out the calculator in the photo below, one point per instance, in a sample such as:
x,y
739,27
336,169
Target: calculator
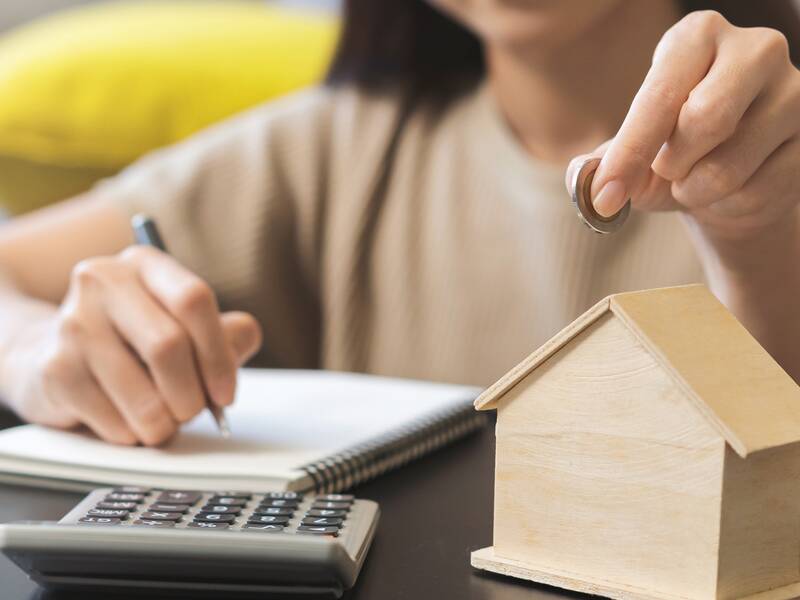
x,y
222,543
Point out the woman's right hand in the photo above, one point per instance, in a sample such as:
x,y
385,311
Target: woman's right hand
x,y
131,352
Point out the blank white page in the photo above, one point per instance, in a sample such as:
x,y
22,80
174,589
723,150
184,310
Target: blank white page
x,y
280,421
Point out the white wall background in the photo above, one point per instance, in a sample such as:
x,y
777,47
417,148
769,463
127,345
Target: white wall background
x,y
15,12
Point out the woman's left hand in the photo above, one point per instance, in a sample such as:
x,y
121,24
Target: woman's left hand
x,y
714,131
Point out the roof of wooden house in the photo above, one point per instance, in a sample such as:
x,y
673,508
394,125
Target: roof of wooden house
x,y
734,383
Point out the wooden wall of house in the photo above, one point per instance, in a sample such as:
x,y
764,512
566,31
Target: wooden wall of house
x,y
760,527
605,472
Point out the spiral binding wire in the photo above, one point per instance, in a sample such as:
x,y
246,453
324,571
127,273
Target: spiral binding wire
x,y
359,463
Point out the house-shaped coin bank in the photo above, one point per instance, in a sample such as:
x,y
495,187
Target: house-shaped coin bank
x,y
649,450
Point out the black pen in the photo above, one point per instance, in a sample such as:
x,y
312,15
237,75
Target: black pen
x,y
147,234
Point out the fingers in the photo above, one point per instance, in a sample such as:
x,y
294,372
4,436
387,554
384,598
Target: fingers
x,y
729,166
87,335
86,329
682,59
68,382
68,385
193,304
655,194
766,197
161,343
243,334
127,384
140,341
576,162
715,107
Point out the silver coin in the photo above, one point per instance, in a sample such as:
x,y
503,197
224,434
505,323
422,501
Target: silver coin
x,y
582,199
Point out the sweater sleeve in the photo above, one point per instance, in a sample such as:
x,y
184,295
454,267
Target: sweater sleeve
x,y
239,205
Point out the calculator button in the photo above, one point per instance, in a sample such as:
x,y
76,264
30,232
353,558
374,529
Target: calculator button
x,y
124,497
280,502
157,515
331,505
214,518
132,489
108,512
323,521
227,501
151,523
99,521
203,525
265,519
223,510
164,507
335,498
264,528
283,496
326,512
239,495
334,531
179,497
117,505
274,510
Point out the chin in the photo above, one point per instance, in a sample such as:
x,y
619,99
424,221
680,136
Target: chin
x,y
532,23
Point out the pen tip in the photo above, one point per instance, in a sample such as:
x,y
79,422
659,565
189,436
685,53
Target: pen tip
x,y
224,428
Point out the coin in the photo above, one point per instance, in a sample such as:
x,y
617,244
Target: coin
x,y
582,199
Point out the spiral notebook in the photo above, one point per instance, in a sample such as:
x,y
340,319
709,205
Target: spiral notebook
x,y
293,430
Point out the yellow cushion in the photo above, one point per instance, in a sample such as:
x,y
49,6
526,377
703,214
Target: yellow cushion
x,y
85,92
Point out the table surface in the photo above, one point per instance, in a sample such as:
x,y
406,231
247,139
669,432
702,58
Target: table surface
x,y
434,513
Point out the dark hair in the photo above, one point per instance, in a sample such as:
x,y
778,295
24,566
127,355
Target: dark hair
x,y
408,41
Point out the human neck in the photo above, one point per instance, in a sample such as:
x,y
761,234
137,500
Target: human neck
x,y
566,101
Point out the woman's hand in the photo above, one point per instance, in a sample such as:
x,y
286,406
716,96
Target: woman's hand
x,y
131,351
714,131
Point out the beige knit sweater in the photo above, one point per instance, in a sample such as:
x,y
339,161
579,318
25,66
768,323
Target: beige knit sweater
x,y
421,243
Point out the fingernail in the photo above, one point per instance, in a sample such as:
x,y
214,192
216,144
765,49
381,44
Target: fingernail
x,y
610,199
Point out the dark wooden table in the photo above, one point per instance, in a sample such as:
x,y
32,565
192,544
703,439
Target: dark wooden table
x,y
434,512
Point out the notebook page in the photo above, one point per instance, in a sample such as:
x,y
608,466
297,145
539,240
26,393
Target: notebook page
x,y
280,421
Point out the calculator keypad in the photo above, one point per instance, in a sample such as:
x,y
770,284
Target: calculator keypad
x,y
264,528
118,505
190,498
153,515
175,508
99,521
124,497
107,512
152,523
273,512
211,526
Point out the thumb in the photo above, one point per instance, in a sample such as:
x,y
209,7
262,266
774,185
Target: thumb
x,y
243,333
655,197
576,162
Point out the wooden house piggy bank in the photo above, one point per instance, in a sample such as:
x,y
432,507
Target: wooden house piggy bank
x,y
649,450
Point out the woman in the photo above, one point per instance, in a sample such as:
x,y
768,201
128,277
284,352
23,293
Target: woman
x,y
410,219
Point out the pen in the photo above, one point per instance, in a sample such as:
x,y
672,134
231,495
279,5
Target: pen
x,y
147,234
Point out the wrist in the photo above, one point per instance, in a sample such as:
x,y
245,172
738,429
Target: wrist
x,y
769,257
758,279
22,322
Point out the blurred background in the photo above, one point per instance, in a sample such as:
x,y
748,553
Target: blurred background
x,y
15,12
89,86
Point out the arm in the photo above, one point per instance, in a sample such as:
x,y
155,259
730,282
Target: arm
x,y
39,251
714,132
